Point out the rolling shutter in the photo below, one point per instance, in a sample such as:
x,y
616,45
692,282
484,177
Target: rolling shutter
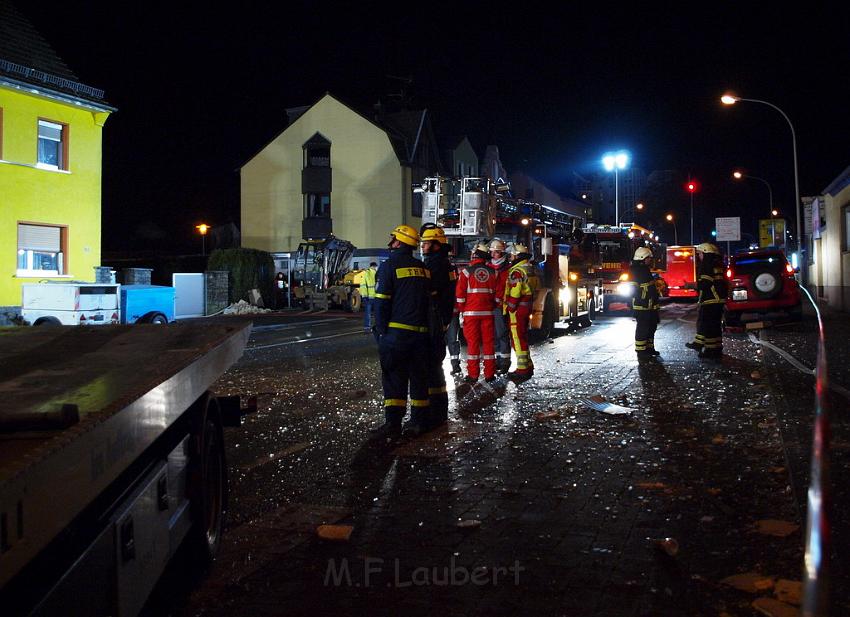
x,y
39,238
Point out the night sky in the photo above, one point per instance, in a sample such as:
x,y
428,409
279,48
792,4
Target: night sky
x,y
200,90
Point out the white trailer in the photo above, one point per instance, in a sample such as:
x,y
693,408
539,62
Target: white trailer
x,y
111,457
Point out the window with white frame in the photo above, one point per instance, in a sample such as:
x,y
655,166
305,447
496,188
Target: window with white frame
x,y
40,250
52,142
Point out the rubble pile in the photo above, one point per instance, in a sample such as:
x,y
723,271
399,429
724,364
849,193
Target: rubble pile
x,y
244,308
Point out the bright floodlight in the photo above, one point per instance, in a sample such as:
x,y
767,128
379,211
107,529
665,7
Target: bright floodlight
x,y
737,175
669,217
615,160
728,99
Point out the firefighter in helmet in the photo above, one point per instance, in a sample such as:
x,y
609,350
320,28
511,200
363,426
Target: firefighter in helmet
x,y
519,290
712,296
402,300
644,303
435,253
499,263
475,300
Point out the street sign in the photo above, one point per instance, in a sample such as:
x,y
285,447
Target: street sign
x,y
728,228
772,233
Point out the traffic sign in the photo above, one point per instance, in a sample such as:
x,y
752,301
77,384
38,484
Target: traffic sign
x,y
728,228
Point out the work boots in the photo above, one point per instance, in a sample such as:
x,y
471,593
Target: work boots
x,y
413,428
388,430
711,354
693,345
503,365
456,367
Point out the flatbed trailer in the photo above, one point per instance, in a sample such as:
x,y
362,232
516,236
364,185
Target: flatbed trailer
x,y
111,456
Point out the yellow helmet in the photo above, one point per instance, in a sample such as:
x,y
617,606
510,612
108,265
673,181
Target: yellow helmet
x,y
481,247
406,235
434,234
707,247
642,253
518,248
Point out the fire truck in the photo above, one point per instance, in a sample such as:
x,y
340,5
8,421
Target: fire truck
x,y
474,209
612,248
681,273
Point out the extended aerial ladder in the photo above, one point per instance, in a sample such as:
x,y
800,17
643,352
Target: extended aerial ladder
x,y
474,208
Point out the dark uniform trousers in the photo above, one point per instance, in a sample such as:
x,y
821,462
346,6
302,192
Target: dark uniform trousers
x,y
647,323
437,393
710,326
404,357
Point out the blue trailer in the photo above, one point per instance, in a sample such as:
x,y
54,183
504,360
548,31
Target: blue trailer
x,y
147,304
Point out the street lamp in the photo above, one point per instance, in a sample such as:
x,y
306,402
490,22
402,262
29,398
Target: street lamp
x,y
728,99
615,161
203,228
636,208
675,231
692,188
738,176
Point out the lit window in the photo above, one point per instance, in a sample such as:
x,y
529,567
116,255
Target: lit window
x,y
51,145
40,250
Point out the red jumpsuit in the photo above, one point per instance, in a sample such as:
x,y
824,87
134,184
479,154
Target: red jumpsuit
x,y
519,295
475,298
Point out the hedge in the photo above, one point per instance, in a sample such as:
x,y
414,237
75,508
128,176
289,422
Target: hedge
x,y
249,269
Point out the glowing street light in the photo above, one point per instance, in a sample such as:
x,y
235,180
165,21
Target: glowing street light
x,y
203,228
670,218
615,161
729,99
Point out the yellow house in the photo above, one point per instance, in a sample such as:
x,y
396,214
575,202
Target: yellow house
x,y
336,171
50,165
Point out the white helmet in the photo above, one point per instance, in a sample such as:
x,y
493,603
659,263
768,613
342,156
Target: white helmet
x,y
707,247
642,253
497,245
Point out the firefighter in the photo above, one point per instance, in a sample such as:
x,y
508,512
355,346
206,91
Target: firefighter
x,y
435,252
453,328
644,303
499,263
520,286
475,300
402,300
367,294
712,296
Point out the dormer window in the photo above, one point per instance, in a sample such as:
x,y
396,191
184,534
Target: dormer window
x,y
317,152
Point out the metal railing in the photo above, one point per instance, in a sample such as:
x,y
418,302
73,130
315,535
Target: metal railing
x,y
51,80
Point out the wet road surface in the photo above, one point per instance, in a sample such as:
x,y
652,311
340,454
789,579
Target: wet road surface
x,y
528,502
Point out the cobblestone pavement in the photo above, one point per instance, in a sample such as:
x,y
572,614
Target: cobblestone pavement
x,y
528,502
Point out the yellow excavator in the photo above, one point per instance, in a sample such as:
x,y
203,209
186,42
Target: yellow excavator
x,y
322,276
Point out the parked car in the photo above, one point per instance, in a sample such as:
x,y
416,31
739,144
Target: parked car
x,y
761,282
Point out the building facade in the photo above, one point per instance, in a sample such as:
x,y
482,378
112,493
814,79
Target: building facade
x,y
829,267
50,165
336,171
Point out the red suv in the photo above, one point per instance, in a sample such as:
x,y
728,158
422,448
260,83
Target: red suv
x,y
761,281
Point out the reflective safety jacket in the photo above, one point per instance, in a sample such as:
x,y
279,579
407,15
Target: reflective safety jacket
x,y
522,282
711,283
501,267
476,289
646,294
402,293
367,283
443,282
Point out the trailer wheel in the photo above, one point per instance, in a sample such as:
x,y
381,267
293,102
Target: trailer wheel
x,y
208,481
47,321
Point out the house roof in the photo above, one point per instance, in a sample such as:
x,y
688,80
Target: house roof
x,y
27,58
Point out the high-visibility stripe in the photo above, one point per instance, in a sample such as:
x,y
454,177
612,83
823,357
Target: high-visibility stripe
x,y
716,301
489,357
383,296
478,290
436,390
478,313
404,273
705,277
414,402
524,304
395,402
472,357
461,299
404,326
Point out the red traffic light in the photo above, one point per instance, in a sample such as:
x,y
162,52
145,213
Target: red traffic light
x,y
692,186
